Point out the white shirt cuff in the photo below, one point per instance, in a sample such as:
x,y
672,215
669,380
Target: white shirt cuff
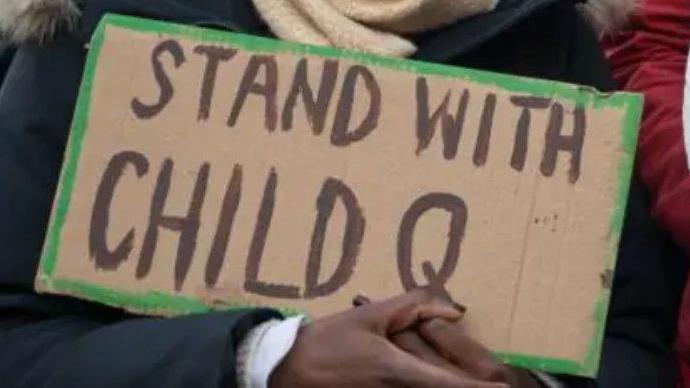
x,y
263,350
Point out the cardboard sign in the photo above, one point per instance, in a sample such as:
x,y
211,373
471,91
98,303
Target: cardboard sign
x,y
210,170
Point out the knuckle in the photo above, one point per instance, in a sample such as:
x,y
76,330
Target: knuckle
x,y
434,327
393,371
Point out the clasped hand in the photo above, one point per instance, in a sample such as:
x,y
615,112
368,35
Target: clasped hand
x,y
415,340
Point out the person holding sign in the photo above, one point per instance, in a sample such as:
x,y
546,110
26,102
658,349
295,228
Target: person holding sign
x,y
413,340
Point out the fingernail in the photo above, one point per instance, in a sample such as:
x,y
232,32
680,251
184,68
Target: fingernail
x,y
460,307
360,300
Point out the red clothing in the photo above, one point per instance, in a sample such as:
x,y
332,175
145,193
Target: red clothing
x,y
650,57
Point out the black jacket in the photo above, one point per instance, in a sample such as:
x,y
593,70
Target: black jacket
x,y
61,342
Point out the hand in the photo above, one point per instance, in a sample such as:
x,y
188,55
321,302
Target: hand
x,y
444,344
352,349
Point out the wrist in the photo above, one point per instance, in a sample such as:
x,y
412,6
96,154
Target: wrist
x,y
263,350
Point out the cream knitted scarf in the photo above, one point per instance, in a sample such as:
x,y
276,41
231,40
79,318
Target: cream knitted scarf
x,y
373,26
369,25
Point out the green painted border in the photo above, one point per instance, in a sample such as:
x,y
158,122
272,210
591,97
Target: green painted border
x,y
162,303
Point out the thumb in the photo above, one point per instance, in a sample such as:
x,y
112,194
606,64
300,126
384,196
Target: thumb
x,y
405,311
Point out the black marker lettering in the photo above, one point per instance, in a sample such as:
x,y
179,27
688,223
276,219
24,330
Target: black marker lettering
x,y
555,142
340,136
172,47
214,55
486,123
187,225
256,249
517,161
105,258
268,89
225,221
354,232
451,126
458,212
316,107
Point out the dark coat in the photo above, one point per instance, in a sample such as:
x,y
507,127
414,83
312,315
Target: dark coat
x,y
61,342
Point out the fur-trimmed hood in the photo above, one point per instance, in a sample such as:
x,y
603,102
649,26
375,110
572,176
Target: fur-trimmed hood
x,y
38,20
35,20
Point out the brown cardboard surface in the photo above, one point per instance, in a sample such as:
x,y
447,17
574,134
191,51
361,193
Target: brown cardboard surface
x,y
534,242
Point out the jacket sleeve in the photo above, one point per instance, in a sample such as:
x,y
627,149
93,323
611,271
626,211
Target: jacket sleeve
x,y
650,58
48,341
90,347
